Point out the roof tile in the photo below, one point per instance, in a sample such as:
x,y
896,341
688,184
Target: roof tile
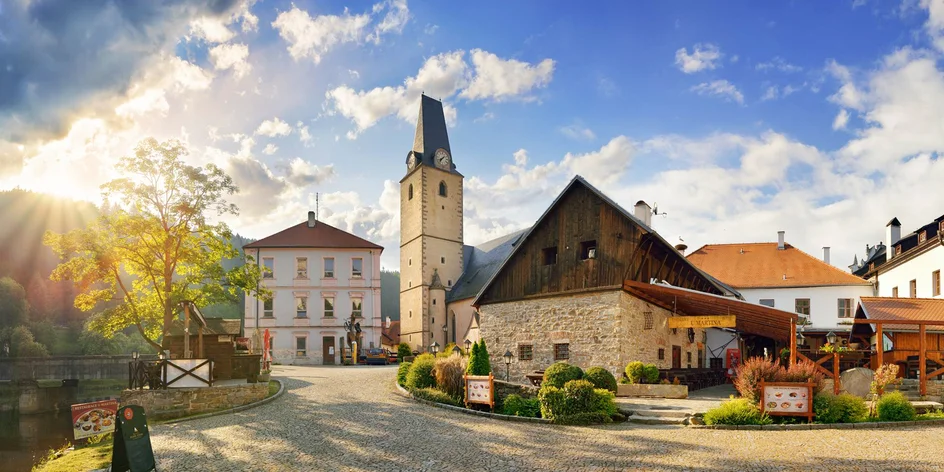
x,y
322,235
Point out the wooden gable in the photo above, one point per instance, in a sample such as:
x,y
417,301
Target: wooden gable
x,y
579,220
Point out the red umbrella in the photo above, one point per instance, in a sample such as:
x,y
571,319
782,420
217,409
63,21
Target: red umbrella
x,y
266,342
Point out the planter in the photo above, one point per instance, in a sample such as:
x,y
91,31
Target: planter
x,y
652,390
264,377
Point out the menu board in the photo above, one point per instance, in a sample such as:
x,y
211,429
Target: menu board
x,y
787,399
479,389
89,419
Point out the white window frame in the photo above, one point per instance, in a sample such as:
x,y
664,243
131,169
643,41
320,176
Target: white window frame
x,y
324,307
304,311
270,313
297,350
267,272
355,273
326,274
357,307
301,273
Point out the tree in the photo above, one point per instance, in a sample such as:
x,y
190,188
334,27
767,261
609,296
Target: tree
x,y
154,248
403,351
14,309
20,343
478,359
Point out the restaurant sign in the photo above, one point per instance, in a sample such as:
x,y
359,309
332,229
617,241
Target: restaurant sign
x,y
89,419
718,321
480,389
787,399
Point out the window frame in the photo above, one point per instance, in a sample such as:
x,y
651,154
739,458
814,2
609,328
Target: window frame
x,y
357,307
410,192
443,189
525,352
586,247
561,351
268,272
270,310
325,273
301,274
913,288
936,283
304,312
325,309
547,252
894,292
304,351
772,301
796,306
357,273
847,309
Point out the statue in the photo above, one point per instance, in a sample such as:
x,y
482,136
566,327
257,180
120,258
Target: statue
x,y
354,336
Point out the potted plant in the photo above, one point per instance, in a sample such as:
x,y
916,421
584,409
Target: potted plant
x,y
264,375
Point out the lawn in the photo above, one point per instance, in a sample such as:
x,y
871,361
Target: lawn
x,y
97,456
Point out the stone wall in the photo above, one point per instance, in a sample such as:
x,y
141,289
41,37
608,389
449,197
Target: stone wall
x,y
503,389
177,402
66,367
607,329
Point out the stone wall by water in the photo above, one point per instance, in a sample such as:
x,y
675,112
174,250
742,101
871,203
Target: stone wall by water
x,y
67,367
177,402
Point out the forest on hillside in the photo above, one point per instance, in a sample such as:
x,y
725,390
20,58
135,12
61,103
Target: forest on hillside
x,y
390,295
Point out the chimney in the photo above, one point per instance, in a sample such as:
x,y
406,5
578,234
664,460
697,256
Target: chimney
x,y
780,244
643,212
892,235
311,219
681,248
826,254
388,322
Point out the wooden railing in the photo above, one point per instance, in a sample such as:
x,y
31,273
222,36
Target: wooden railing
x,y
154,375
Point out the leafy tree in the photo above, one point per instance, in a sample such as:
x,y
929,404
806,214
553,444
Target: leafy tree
x,y
403,351
20,343
478,359
156,248
14,309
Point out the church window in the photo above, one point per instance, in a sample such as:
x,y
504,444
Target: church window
x,y
434,301
550,255
411,316
588,250
442,189
410,263
410,193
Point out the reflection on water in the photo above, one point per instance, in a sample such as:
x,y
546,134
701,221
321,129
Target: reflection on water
x,y
25,439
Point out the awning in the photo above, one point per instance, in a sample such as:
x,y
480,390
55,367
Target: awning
x,y
899,314
750,318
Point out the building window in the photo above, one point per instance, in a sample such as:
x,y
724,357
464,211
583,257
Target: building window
x,y
356,307
897,250
442,189
588,250
450,283
845,308
434,301
661,353
922,237
328,307
301,307
442,260
301,346
767,302
913,285
561,351
329,267
802,306
410,262
895,292
550,255
647,321
267,310
935,283
688,356
271,346
301,267
411,316
525,352
268,267
357,267
410,193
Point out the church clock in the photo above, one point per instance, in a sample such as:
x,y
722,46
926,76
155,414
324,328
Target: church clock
x,y
443,160
411,161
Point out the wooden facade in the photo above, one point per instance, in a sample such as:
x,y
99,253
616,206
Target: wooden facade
x,y
554,257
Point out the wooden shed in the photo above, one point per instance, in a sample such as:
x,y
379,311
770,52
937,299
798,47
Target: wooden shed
x,y
210,338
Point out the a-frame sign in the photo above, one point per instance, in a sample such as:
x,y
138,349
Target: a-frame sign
x,y
132,447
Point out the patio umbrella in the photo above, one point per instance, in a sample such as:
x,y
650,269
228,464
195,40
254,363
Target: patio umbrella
x,y
267,340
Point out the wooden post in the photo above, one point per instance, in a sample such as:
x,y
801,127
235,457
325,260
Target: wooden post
x,y
836,373
793,343
922,355
200,343
186,331
879,345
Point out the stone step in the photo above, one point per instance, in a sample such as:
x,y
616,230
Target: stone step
x,y
662,413
656,420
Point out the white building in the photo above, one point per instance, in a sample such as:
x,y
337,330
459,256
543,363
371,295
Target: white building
x,y
319,277
912,268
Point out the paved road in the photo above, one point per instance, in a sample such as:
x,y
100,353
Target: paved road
x,y
349,418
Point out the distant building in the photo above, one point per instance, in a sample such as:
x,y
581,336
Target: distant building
x,y
319,276
912,267
390,335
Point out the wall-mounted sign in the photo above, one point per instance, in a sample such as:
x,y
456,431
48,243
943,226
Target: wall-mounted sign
x,y
787,399
89,419
480,389
718,321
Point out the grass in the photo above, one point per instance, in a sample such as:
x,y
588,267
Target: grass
x,y
96,456
931,415
273,388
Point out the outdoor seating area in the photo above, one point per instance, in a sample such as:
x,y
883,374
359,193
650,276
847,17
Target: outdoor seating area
x,y
695,379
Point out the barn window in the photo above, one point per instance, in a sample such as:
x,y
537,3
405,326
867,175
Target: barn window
x,y
588,250
550,255
410,192
442,189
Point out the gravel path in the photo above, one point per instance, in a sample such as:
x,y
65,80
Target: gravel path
x,y
348,418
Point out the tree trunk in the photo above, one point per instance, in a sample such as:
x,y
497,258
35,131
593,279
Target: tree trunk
x,y
157,347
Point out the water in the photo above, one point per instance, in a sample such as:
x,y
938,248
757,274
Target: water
x,y
25,439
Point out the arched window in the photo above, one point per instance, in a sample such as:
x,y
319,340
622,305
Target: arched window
x,y
410,192
442,189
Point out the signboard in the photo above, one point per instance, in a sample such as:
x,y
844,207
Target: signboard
x,y
480,389
787,399
89,419
223,338
132,447
719,321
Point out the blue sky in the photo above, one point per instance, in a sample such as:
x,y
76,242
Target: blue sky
x,y
823,119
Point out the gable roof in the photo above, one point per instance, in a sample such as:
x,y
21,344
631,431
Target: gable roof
x,y
578,180
213,326
322,235
903,309
481,262
755,265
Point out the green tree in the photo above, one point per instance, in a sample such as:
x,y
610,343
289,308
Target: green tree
x,y
14,309
20,343
155,248
478,359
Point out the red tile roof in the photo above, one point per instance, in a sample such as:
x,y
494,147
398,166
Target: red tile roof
x,y
322,235
904,309
391,334
755,265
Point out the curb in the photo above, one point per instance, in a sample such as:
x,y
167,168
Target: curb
x,y
230,410
795,427
521,419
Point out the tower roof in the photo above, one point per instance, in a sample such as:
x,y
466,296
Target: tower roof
x,y
431,133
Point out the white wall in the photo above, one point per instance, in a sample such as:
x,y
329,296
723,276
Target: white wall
x,y
285,326
918,269
824,301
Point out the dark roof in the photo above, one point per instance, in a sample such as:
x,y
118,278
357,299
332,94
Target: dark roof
x,y
908,242
322,235
213,326
431,133
481,262
894,222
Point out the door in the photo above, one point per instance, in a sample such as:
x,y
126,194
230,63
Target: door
x,y
327,346
676,357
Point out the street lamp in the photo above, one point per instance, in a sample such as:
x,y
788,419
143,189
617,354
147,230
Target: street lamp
x,y
456,351
831,338
801,340
507,358
468,345
134,355
435,348
445,339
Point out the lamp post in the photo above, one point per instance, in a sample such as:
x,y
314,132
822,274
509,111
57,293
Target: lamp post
x,y
445,338
456,351
507,358
468,345
434,348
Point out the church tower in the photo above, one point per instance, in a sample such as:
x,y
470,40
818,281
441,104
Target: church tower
x,y
430,230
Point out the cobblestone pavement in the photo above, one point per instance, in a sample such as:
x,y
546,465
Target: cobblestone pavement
x,y
349,418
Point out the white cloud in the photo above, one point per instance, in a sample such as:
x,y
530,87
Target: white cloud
x,y
703,57
935,23
841,120
303,135
577,132
354,74
487,116
607,87
777,63
151,101
274,127
211,29
771,93
521,157
231,56
270,149
393,22
500,79
311,38
304,173
430,29
721,88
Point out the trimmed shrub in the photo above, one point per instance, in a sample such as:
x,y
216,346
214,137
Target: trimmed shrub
x,y
434,395
403,351
559,373
600,378
516,405
421,373
448,373
402,371
844,408
577,403
478,360
738,411
751,372
651,374
893,406
635,372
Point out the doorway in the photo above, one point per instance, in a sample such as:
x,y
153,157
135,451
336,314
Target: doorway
x,y
676,357
327,346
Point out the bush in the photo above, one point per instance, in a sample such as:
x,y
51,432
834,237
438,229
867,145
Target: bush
x,y
478,359
651,374
448,373
751,372
577,403
420,374
886,375
600,378
844,408
402,371
639,373
738,411
516,405
805,371
894,406
434,395
559,373
403,351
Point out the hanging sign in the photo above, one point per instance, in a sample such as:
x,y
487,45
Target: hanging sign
x,y
480,389
132,447
787,399
717,321
89,419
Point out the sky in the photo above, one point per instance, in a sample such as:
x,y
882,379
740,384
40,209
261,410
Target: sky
x,y
822,119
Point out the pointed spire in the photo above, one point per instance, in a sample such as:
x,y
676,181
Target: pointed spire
x,y
431,131
436,282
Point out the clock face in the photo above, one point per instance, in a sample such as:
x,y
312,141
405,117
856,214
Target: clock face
x,y
442,158
411,160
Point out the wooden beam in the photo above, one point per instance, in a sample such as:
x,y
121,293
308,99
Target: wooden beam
x,y
836,385
661,266
793,343
674,263
880,345
899,322
922,355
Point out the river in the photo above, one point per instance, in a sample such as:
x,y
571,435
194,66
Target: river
x,y
25,439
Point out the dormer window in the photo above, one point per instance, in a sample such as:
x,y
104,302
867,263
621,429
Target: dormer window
x,y
922,237
897,249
